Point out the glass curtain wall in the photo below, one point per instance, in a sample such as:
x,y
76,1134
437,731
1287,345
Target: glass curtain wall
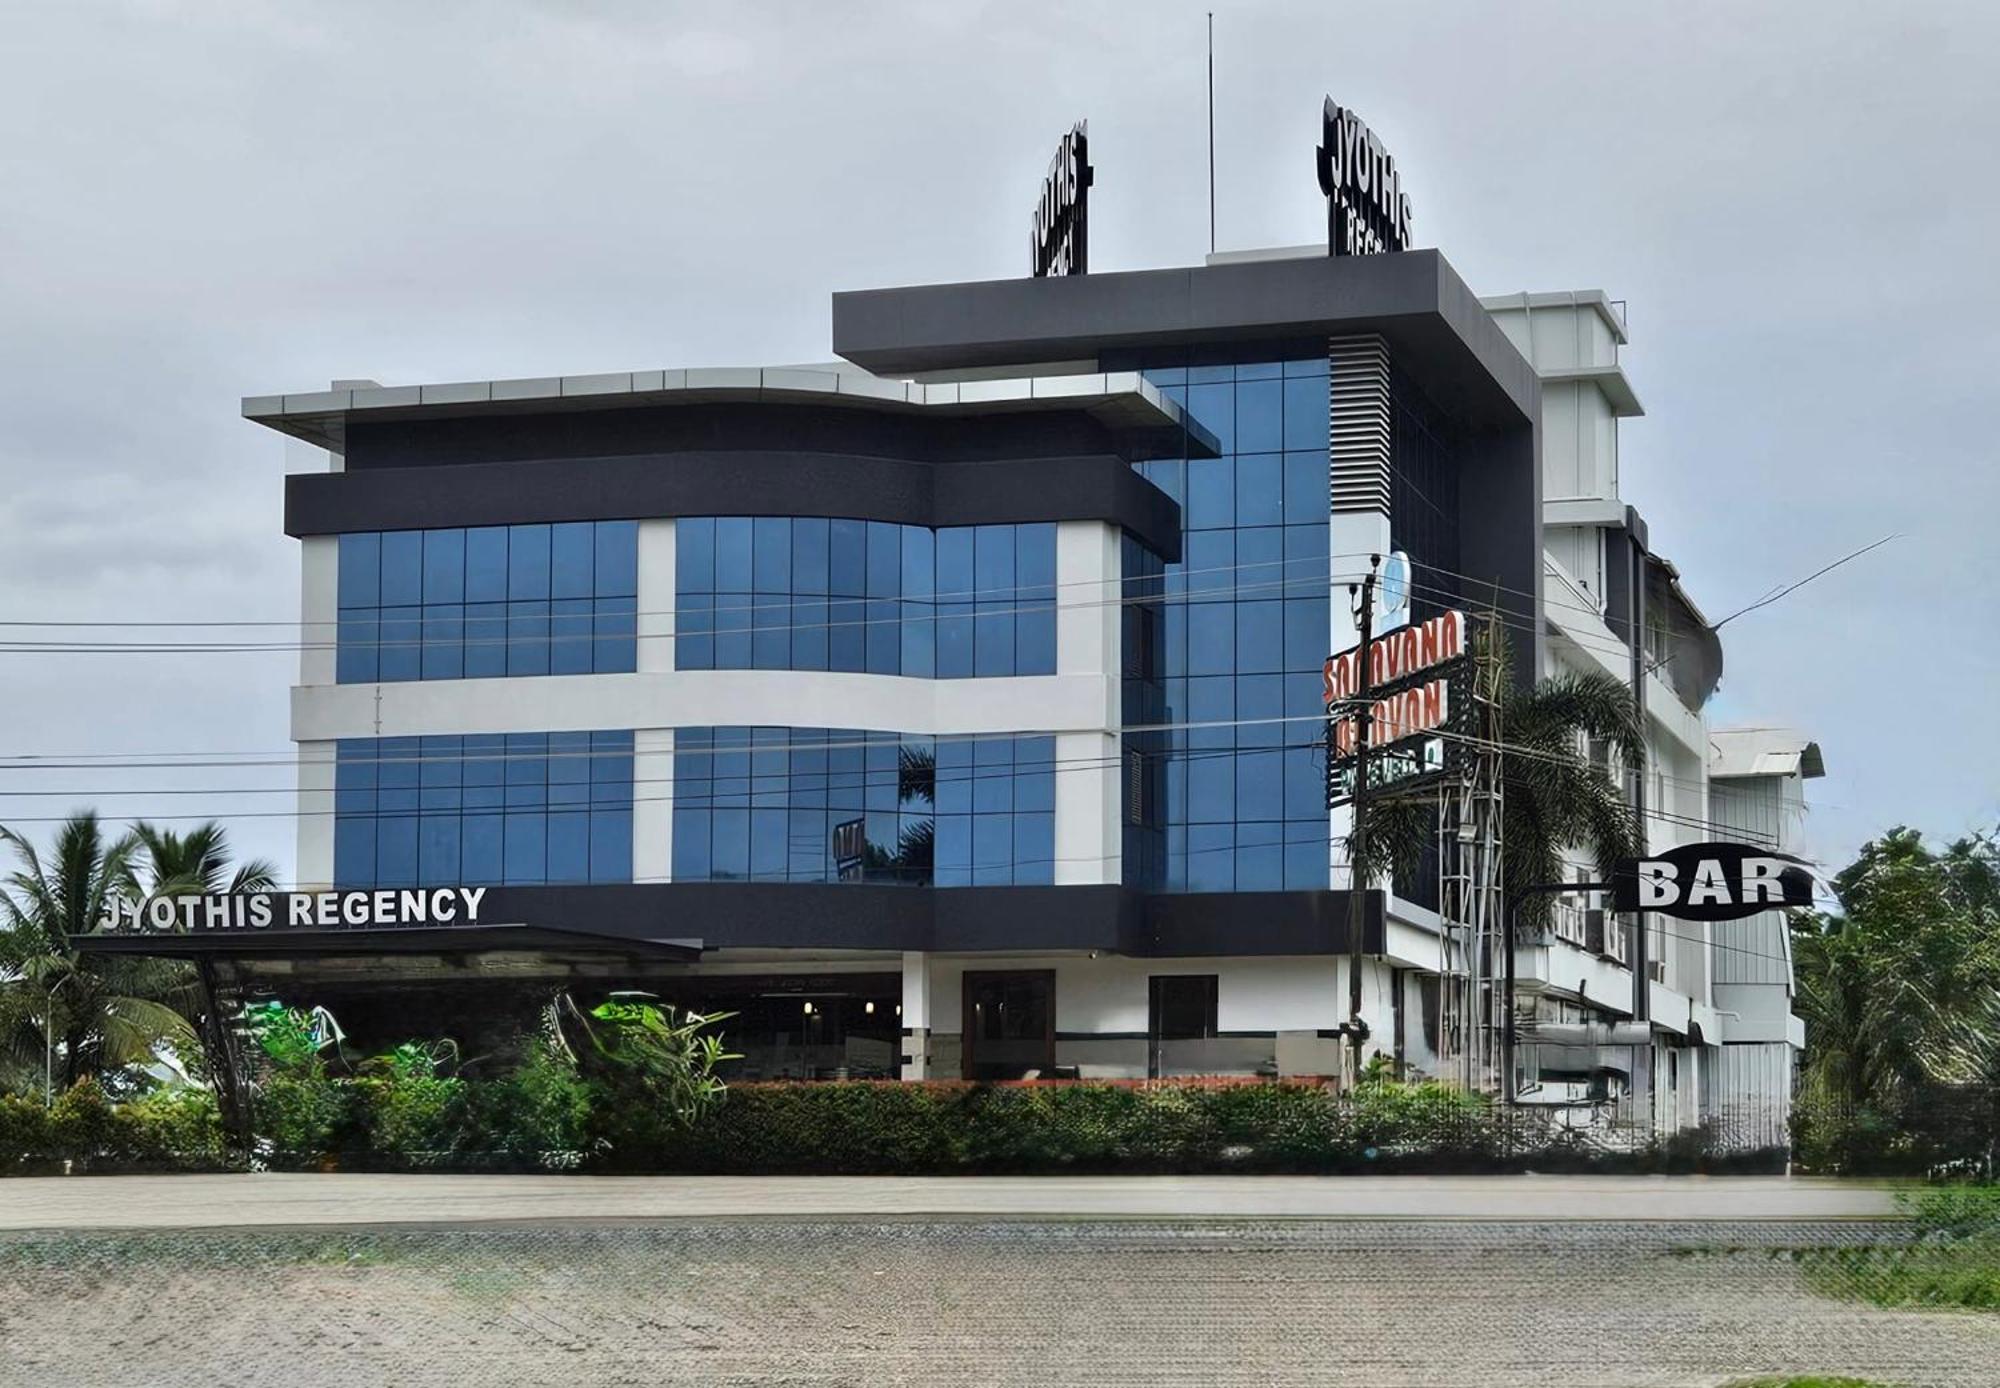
x,y
801,593
488,601
827,805
520,809
1246,621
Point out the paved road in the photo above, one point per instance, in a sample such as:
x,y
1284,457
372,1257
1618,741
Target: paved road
x,y
915,1303
154,1202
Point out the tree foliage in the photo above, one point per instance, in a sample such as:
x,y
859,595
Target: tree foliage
x,y
1900,989
1554,797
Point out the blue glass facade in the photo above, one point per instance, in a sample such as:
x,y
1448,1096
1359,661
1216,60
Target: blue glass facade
x,y
783,593
488,601
769,804
520,809
1246,624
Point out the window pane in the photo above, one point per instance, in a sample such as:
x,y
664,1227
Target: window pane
x,y
444,566
771,555
691,862
848,558
847,636
694,628
1034,850
569,847
617,559
1259,489
694,555
356,653
1306,411
402,638
480,848
809,633
527,562
615,635
1211,500
885,559
485,640
437,850
1259,416
993,640
954,563
572,559
734,556
354,850
359,581
730,853
486,564
919,577
884,639
993,562
809,555
527,637
1211,638
1307,488
1260,636
444,641
526,847
403,568
918,631
1260,786
396,851
610,845
1214,405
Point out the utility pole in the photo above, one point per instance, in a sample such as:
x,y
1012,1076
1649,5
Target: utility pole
x,y
1357,886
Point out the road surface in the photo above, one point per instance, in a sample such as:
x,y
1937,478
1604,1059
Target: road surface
x,y
266,1199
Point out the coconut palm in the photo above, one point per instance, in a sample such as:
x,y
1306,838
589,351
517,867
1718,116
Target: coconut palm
x,y
1554,797
79,1015
194,863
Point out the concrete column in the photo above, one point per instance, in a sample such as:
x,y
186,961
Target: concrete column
x,y
319,607
315,840
653,805
656,596
916,1016
1089,825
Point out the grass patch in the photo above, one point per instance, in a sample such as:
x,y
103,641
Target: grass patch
x,y
1807,1381
1953,1260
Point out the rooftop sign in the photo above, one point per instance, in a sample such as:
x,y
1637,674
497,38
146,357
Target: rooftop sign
x,y
1060,243
1366,211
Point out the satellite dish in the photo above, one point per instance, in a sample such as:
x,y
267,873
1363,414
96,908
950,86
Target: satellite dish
x,y
1392,593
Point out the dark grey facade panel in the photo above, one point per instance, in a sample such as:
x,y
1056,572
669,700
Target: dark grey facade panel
x,y
1500,540
648,917
1097,487
543,435
1432,321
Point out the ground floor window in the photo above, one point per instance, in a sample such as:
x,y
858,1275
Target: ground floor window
x,y
1182,1010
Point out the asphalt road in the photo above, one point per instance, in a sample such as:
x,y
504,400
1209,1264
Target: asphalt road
x,y
269,1199
919,1303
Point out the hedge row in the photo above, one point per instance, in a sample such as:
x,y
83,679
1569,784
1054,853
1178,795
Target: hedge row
x,y
551,1121
171,1130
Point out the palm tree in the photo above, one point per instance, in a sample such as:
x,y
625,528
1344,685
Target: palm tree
x,y
100,1013
196,863
1554,796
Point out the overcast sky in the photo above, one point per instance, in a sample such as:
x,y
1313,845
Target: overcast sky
x,y
204,201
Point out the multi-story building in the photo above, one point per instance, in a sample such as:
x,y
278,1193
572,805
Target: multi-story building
x,y
956,708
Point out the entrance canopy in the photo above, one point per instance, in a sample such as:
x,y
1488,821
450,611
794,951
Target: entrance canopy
x,y
291,944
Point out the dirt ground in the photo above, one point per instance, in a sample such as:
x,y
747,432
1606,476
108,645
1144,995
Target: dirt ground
x,y
861,1302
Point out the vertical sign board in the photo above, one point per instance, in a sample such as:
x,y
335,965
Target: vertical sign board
x,y
1416,688
1366,210
1060,241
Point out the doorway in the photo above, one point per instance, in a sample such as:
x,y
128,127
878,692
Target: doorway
x,y
1009,1023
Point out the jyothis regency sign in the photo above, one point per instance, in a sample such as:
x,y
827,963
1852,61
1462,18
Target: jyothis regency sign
x,y
1060,241
216,912
1366,209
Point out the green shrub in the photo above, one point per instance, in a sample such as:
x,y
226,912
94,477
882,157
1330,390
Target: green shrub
x,y
302,1113
169,1127
410,1119
536,1115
